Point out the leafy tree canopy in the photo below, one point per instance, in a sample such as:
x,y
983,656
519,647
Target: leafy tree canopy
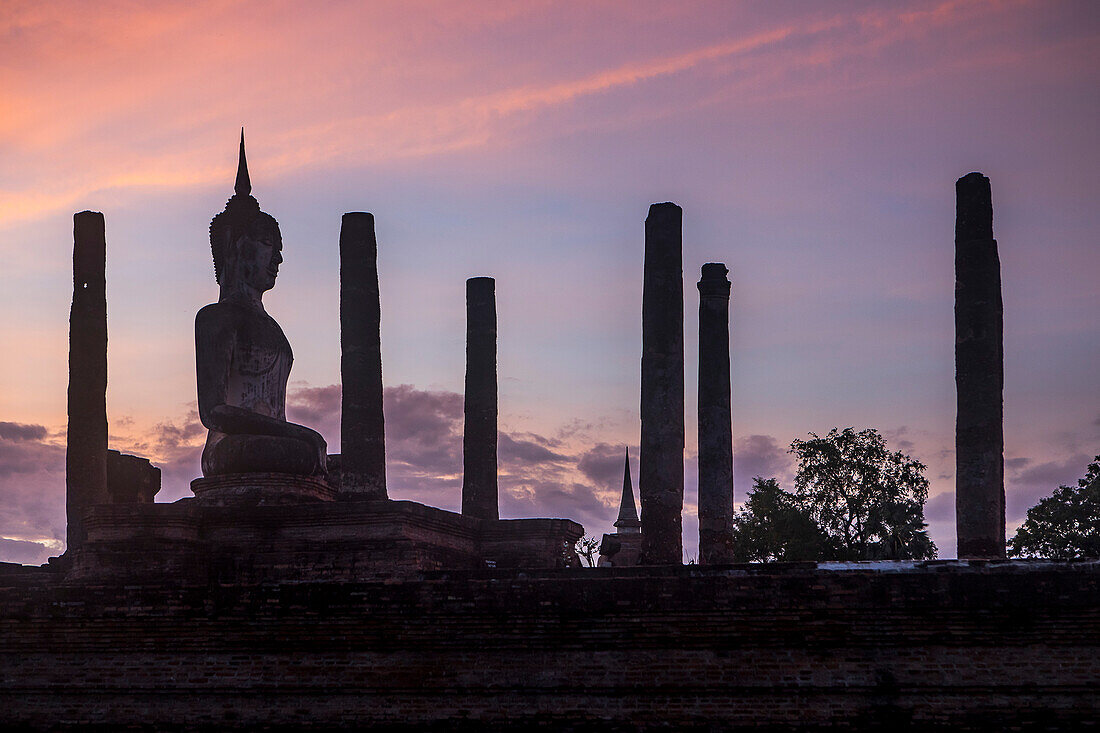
x,y
774,526
1064,526
853,499
865,498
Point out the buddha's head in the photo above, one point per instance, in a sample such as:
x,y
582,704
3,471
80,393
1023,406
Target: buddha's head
x,y
245,242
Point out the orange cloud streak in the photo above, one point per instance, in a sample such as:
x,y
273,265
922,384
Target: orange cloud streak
x,y
168,86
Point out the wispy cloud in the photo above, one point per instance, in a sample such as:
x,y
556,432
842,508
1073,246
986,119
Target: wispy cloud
x,y
171,89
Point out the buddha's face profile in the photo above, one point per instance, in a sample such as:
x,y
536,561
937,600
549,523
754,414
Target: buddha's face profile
x,y
258,254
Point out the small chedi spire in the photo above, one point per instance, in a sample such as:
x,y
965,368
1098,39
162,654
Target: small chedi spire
x,y
627,522
243,186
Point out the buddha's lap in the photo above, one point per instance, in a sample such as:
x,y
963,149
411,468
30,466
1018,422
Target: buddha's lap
x,y
260,454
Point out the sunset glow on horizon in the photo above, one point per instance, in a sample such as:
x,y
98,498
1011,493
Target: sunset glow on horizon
x,y
813,147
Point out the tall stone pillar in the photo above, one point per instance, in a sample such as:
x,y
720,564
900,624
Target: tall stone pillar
x,y
479,435
715,421
86,449
979,375
362,424
661,460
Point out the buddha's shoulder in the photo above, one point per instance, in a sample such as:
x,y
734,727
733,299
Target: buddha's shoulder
x,y
221,314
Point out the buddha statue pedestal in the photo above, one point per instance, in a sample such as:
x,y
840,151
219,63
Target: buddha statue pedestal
x,y
260,489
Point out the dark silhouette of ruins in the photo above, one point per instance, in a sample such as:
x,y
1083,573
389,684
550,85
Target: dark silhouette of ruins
x,y
291,593
623,546
979,374
362,470
271,504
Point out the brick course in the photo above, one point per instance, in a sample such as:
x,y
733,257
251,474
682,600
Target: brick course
x,y
957,646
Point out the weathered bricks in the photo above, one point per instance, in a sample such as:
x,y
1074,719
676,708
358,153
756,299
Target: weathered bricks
x,y
940,645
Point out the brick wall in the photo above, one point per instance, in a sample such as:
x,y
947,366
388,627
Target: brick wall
x,y
941,644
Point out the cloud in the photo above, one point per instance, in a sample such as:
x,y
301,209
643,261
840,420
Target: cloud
x,y
469,81
423,437
553,497
603,464
758,455
528,448
424,444
318,408
896,439
19,432
940,508
424,415
24,449
174,446
1027,482
25,552
32,492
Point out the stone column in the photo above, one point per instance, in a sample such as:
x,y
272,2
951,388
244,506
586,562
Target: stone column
x,y
979,375
715,421
479,435
661,459
86,449
362,424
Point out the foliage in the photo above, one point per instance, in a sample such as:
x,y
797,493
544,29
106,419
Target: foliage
x,y
868,501
586,548
853,500
773,525
1064,526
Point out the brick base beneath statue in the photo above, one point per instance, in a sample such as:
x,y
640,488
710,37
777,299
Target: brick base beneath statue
x,y
261,489
201,540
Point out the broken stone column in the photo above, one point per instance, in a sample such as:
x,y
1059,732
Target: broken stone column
x,y
661,460
131,479
479,435
979,375
715,420
362,424
86,443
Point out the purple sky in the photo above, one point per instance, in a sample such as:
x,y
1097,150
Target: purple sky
x,y
813,147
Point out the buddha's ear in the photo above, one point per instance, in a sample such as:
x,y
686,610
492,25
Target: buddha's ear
x,y
231,267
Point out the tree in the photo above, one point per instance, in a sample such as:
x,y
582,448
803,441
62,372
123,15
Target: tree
x,y
774,526
586,549
1063,526
867,500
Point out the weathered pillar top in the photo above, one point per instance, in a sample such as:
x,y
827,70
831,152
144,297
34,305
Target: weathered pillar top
x,y
88,229
713,282
973,208
357,220
665,213
481,294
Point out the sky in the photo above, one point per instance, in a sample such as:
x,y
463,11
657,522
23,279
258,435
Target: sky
x,y
813,147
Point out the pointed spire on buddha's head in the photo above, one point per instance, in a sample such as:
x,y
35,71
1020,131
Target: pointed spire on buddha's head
x,y
242,215
243,186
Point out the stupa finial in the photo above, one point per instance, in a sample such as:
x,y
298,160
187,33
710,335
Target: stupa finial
x,y
243,186
627,522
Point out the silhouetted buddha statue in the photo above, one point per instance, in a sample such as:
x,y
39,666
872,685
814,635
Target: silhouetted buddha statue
x,y
242,357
